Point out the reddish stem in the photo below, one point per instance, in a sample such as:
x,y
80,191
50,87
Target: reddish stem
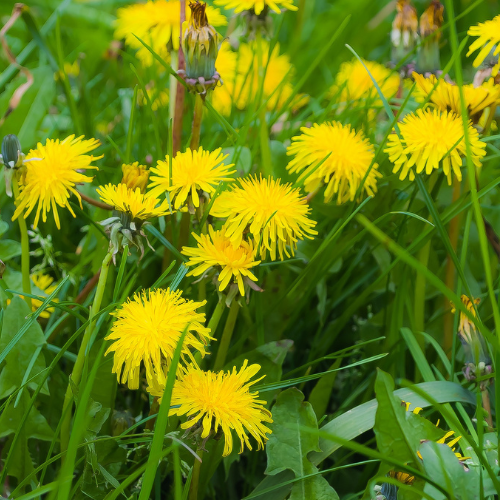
x,y
96,203
179,97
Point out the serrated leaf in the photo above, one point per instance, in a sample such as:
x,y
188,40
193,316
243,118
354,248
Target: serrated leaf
x,y
288,446
19,358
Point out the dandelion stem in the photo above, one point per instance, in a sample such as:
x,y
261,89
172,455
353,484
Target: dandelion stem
x,y
91,201
179,94
197,117
195,477
487,406
216,316
25,249
226,335
76,375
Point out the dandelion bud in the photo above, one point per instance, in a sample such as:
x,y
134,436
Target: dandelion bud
x,y
135,176
404,32
200,43
12,158
430,22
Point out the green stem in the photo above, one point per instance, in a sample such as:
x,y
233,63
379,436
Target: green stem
x,y
226,335
423,257
197,118
263,132
216,316
184,230
76,375
195,477
174,62
25,248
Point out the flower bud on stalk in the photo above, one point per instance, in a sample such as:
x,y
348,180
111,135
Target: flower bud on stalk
x,y
430,22
135,176
12,158
404,34
200,43
477,360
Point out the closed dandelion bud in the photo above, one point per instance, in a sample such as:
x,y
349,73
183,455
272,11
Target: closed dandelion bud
x,y
404,32
200,43
120,422
12,158
430,22
135,176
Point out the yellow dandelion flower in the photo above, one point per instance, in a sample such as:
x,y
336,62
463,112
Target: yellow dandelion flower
x,y
353,82
135,176
133,203
192,172
216,250
351,155
275,215
467,329
51,176
402,477
222,401
256,5
157,23
43,282
430,138
146,331
488,34
240,74
446,96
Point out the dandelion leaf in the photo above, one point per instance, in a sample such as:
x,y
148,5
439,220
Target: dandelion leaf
x,y
19,358
289,445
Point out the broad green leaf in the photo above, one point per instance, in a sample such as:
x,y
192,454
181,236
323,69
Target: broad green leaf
x,y
20,357
288,446
442,466
3,227
36,427
399,432
9,249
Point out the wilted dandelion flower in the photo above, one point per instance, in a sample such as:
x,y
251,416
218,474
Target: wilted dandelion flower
x,y
353,82
256,5
193,173
351,155
135,176
133,203
488,34
446,96
404,31
146,331
215,250
430,138
274,214
156,23
49,181
222,401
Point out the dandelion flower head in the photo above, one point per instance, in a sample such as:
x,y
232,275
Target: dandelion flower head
x,y
215,401
343,171
192,171
466,328
488,38
354,83
146,332
51,176
430,138
276,215
157,23
134,203
445,96
135,176
256,5
216,250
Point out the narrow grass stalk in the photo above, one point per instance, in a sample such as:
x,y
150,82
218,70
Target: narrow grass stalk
x,y
263,132
25,248
227,335
80,360
195,477
453,232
